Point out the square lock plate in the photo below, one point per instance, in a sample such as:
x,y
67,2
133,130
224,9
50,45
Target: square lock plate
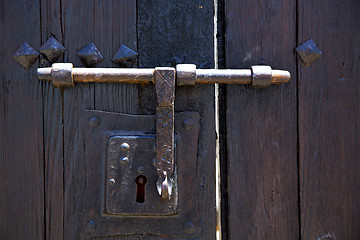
x,y
119,148
131,177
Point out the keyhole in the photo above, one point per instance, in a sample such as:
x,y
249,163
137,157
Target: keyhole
x,y
140,190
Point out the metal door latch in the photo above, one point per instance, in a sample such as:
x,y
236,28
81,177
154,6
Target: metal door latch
x,y
165,79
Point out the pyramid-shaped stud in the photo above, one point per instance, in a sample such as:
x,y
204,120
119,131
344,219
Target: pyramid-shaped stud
x,y
125,56
90,55
26,55
308,52
52,49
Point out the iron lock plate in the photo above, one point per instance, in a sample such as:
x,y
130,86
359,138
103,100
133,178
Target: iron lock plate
x,y
110,207
130,158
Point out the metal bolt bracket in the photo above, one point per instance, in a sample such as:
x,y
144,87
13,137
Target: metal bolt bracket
x,y
61,75
165,79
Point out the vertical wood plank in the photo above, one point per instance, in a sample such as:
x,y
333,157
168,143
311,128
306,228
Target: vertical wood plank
x,y
115,25
261,124
172,32
53,129
329,113
21,162
78,21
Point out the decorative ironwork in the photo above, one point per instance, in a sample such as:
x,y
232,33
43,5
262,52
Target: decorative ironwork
x,y
89,55
26,55
308,52
52,49
125,56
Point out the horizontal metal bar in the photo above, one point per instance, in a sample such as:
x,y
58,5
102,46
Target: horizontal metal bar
x,y
104,75
186,75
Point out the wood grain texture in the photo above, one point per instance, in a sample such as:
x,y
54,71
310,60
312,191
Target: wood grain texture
x,y
53,129
21,162
173,32
115,25
78,21
329,114
261,124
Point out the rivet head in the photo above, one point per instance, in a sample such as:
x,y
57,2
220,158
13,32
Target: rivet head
x,y
188,123
308,52
90,226
25,55
90,55
112,181
125,56
124,160
52,49
189,227
125,147
141,169
94,122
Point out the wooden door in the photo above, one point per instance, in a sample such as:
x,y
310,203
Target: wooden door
x,y
292,150
43,164
288,154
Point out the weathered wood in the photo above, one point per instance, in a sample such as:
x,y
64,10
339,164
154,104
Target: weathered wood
x,y
329,113
115,25
78,32
53,130
174,32
261,124
21,143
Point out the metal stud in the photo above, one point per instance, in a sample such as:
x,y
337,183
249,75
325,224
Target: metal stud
x,y
124,160
90,55
94,122
52,49
189,227
188,123
90,226
308,52
25,55
125,56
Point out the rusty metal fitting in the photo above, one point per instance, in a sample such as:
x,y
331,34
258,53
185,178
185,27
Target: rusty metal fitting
x,y
186,75
261,76
61,74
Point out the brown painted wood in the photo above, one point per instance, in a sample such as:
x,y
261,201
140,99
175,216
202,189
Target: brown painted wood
x,y
329,113
261,124
21,161
53,129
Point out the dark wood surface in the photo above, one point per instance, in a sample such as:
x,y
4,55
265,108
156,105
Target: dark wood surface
x,y
329,115
261,124
53,129
21,141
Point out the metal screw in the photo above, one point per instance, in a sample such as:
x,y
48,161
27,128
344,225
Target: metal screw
x,y
125,146
94,122
141,169
188,123
112,181
90,226
189,227
124,160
